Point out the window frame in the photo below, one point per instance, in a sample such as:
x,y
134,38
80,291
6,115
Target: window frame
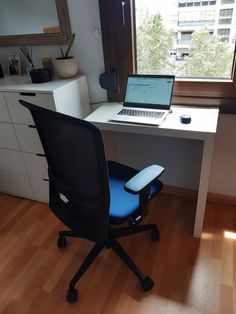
x,y
120,55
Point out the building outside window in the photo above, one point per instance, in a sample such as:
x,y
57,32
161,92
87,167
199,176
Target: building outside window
x,y
185,37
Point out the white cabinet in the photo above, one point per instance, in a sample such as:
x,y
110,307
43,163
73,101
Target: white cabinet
x,y
16,184
12,161
21,115
40,188
23,166
7,136
28,138
36,165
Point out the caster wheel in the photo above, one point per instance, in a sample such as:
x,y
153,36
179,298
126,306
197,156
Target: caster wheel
x,y
61,242
147,283
155,235
72,295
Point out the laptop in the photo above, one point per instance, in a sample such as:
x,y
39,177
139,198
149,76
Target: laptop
x,y
147,99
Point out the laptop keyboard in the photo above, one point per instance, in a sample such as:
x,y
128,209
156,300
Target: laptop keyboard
x,y
141,113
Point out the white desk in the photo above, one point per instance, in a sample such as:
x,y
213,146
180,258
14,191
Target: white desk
x,y
202,127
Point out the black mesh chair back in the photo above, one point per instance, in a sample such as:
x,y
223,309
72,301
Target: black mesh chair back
x,y
79,189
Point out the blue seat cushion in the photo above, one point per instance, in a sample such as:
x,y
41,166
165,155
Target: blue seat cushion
x,y
124,205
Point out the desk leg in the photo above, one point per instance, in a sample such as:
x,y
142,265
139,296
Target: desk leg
x,y
109,139
203,183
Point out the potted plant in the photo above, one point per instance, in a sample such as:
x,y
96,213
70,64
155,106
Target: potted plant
x,y
66,66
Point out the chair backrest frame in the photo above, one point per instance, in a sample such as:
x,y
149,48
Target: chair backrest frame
x,y
81,145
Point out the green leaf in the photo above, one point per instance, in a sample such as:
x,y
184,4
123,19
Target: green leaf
x,y
71,41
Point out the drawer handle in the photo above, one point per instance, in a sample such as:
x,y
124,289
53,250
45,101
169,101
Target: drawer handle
x,y
46,180
40,155
27,94
31,126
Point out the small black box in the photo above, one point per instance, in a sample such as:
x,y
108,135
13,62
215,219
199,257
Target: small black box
x,y
40,75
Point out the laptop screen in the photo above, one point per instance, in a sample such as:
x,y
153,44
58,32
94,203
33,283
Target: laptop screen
x,y
149,91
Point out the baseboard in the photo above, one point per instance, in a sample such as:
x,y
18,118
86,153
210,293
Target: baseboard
x,y
223,199
178,191
212,197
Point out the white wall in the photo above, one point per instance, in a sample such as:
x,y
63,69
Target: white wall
x,y
181,157
85,21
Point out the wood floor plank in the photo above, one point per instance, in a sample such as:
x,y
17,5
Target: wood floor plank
x,y
226,299
192,276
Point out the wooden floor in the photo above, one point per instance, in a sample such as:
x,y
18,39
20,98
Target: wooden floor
x,y
191,275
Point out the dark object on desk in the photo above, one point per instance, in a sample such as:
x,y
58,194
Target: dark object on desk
x,y
40,75
90,194
1,72
108,80
185,119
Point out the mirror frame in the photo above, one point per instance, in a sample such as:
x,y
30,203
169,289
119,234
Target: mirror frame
x,y
45,38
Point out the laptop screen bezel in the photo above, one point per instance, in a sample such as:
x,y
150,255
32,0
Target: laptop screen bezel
x,y
149,105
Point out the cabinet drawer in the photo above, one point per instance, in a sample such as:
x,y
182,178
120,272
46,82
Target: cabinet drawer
x,y
16,184
28,139
8,137
12,161
18,113
4,114
40,189
36,165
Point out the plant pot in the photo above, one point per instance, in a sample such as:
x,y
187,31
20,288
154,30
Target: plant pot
x,y
66,68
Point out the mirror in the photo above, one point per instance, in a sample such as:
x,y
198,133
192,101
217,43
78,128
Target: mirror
x,y
27,23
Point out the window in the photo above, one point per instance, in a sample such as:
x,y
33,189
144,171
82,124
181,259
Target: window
x,y
224,34
225,16
227,1
198,54
120,53
186,37
189,4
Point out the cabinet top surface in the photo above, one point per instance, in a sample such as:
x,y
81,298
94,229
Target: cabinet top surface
x,y
23,83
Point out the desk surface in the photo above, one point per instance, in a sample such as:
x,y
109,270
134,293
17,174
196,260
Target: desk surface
x,y
204,121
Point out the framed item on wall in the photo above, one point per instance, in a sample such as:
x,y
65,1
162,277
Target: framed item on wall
x,y
14,64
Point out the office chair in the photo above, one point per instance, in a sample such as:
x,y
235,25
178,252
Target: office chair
x,y
90,194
